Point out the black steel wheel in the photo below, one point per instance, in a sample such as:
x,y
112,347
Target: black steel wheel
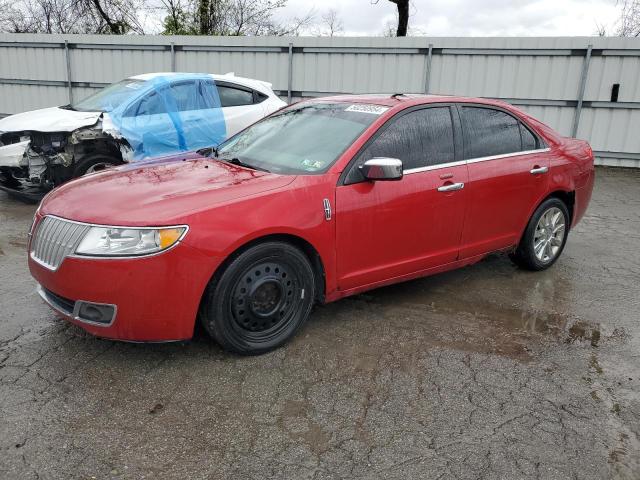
x,y
261,299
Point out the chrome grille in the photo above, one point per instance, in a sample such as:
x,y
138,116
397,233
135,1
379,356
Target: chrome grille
x,y
55,239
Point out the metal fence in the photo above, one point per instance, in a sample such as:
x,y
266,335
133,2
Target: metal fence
x,y
582,86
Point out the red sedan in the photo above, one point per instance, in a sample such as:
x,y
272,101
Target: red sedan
x,y
321,200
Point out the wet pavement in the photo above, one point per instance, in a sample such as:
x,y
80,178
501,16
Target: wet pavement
x,y
485,372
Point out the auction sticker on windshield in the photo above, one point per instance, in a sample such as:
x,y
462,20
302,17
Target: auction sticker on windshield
x,y
367,108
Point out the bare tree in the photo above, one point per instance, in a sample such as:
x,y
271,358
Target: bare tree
x,y
71,16
111,16
245,17
47,16
601,30
177,20
403,16
331,23
629,22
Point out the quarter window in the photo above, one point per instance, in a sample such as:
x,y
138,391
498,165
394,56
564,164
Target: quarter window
x,y
234,97
529,141
490,132
420,138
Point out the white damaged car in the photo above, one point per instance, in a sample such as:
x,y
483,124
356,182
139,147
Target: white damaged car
x,y
141,117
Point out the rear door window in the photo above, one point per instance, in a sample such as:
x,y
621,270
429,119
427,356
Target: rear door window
x,y
187,96
489,132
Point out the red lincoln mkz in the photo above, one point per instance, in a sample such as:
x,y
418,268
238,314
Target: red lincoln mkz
x,y
321,200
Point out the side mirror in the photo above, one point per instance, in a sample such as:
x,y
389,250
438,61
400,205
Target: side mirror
x,y
382,168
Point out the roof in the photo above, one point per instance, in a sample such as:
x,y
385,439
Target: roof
x,y
264,87
394,100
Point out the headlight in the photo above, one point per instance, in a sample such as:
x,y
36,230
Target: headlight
x,y
125,242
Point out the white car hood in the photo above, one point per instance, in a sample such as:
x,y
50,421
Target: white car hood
x,y
52,119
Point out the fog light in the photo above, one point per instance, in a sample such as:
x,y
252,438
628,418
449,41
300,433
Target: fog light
x,y
95,312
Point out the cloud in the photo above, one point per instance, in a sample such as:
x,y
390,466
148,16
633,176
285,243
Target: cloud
x,y
469,17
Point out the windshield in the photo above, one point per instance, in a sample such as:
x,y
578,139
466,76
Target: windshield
x,y
305,139
110,97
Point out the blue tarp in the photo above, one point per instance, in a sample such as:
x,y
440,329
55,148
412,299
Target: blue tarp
x,y
171,114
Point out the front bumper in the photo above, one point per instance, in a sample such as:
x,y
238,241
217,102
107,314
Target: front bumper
x,y
30,195
155,298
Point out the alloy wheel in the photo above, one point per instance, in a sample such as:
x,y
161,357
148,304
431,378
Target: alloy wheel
x,y
549,235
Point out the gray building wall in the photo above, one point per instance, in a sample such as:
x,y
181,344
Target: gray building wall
x,y
566,82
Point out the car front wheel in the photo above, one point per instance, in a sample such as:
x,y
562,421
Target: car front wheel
x,y
545,236
95,163
260,300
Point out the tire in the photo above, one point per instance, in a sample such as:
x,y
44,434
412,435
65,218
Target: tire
x,y
260,300
95,163
552,231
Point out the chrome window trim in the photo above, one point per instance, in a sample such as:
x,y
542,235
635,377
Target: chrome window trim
x,y
474,160
434,167
507,155
110,257
76,309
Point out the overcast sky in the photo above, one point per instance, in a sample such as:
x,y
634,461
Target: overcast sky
x,y
468,17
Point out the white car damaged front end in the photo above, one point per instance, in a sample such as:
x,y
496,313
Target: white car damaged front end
x,y
142,117
42,148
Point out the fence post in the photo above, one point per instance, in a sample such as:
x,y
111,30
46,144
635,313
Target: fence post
x,y
427,79
290,79
68,61
581,88
173,56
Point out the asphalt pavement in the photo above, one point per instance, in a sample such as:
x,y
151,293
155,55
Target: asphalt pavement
x,y
487,372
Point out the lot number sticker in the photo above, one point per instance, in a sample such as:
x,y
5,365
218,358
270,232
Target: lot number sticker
x,y
365,108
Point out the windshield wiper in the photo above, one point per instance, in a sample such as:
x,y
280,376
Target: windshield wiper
x,y
237,161
68,106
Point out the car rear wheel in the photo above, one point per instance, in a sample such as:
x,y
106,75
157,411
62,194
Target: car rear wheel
x,y
545,236
260,300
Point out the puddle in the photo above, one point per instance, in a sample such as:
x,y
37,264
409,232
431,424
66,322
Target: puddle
x,y
581,331
512,315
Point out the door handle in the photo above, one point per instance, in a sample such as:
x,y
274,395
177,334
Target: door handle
x,y
538,170
451,187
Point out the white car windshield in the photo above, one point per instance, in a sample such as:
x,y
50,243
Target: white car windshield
x,y
110,97
304,139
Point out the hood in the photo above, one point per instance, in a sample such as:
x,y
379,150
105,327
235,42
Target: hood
x,y
52,119
161,193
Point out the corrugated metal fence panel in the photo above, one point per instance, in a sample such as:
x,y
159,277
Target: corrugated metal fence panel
x,y
531,77
107,66
22,98
33,62
612,130
606,70
540,75
560,118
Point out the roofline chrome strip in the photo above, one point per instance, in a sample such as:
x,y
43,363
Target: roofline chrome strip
x,y
474,160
